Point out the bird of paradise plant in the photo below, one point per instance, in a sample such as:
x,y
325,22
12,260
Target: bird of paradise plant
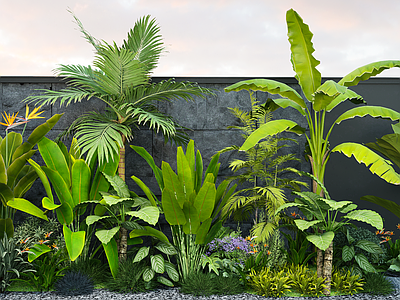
x,y
16,178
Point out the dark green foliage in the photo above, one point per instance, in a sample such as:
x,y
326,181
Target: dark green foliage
x,y
377,284
93,268
299,252
206,284
129,279
74,284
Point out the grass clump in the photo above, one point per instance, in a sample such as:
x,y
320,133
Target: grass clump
x,y
377,284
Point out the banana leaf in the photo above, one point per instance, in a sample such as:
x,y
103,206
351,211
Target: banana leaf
x,y
391,206
373,111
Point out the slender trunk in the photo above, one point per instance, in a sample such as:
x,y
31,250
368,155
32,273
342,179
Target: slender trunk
x,y
122,244
328,269
320,262
121,163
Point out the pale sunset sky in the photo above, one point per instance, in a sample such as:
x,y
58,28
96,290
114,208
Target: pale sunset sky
x,y
203,37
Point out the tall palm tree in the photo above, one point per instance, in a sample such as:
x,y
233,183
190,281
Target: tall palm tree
x,y
120,77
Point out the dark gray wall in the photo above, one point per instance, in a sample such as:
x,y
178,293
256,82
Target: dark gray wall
x,y
208,119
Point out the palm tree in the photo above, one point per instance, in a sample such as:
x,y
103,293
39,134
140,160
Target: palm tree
x,y
120,77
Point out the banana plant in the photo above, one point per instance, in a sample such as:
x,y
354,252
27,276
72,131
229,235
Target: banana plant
x,y
122,216
75,184
322,98
389,146
190,202
322,214
16,177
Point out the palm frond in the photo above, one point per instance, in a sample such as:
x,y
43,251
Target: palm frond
x,y
263,230
95,43
120,70
80,76
145,42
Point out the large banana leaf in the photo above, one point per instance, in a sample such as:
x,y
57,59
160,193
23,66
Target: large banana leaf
x,y
3,171
24,184
8,146
28,207
270,86
347,95
192,218
368,216
80,178
43,178
391,206
16,167
149,194
173,184
111,250
205,200
172,210
389,146
301,47
271,128
74,242
373,111
184,171
376,164
54,159
6,226
367,71
149,231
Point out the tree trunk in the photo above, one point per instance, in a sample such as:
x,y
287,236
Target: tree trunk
x,y
121,163
328,269
320,263
122,244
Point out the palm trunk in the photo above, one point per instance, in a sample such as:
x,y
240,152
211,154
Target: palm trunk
x,y
121,163
320,263
122,244
328,269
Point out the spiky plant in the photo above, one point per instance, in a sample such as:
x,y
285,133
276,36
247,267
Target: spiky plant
x,y
74,284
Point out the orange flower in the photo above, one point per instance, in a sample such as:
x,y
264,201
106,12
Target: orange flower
x,y
268,252
55,246
265,245
380,231
24,241
26,249
390,233
388,238
255,250
42,242
293,214
398,226
48,234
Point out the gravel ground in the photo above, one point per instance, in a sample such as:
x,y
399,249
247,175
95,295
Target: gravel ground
x,y
173,293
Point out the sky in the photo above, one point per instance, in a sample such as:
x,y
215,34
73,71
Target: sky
x,y
217,38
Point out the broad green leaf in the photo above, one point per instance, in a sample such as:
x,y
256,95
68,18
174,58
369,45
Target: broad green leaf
x,y
173,184
148,274
213,168
364,264
326,93
166,248
134,241
199,171
24,184
191,158
60,186
37,250
205,200
149,214
373,111
3,172
184,173
119,185
43,178
268,129
54,159
111,250
100,183
164,281
270,86
93,219
10,142
157,263
367,71
369,246
36,135
321,241
304,225
105,236
203,231
28,207
376,164
113,200
301,47
157,171
348,95
348,253
336,205
192,218
141,254
6,194
368,216
74,242
389,205
65,214
80,181
6,226
172,210
148,231
171,271
213,232
15,168
49,204
284,103
389,146
74,149
348,208
149,194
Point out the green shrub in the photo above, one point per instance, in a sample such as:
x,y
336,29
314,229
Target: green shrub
x,y
207,284
129,278
305,281
269,283
12,263
347,283
93,268
377,284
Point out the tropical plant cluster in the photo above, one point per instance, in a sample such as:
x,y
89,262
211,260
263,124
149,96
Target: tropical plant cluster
x,y
91,231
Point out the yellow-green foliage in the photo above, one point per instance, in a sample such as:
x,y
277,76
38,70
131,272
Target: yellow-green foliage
x,y
270,283
305,281
346,282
